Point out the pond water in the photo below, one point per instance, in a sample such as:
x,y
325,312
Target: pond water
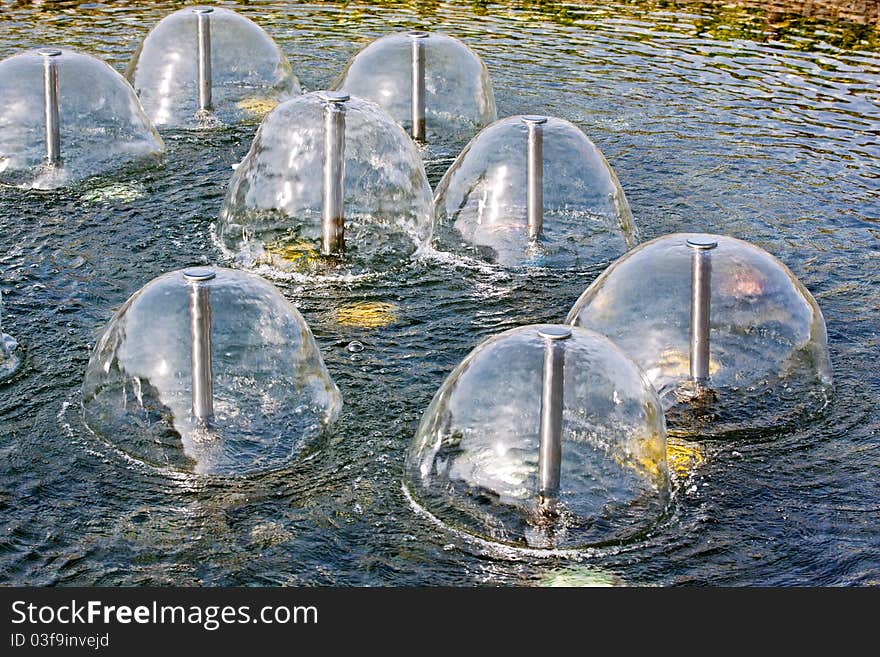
x,y
713,120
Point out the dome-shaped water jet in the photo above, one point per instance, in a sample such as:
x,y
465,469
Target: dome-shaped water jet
x,y
533,190
716,323
544,436
432,84
201,66
209,371
66,116
327,175
10,358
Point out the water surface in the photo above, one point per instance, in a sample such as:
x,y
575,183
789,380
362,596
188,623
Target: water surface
x,y
713,122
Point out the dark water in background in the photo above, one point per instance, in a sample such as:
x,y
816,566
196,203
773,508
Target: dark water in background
x,y
771,138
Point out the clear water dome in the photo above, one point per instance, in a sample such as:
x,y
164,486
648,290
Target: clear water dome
x,y
545,436
725,332
210,371
66,116
533,190
207,65
432,84
327,174
10,358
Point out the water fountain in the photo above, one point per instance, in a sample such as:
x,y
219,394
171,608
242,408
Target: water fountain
x,y
533,190
432,84
330,181
206,65
208,370
66,116
10,359
729,337
545,436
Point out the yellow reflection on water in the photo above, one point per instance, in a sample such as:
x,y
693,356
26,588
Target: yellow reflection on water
x,y
257,107
674,363
806,25
299,253
366,314
682,457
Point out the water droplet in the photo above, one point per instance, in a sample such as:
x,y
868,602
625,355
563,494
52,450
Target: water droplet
x,y
355,346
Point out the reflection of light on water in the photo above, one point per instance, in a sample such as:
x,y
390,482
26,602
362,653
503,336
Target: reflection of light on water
x,y
297,144
257,106
497,187
367,314
163,113
386,90
682,458
676,365
114,192
286,195
300,253
579,576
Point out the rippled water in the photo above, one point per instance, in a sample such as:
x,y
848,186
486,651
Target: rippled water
x,y
771,138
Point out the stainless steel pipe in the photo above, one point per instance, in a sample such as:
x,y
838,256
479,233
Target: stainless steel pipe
x,y
535,175
418,85
200,330
701,293
203,16
51,104
552,397
333,209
